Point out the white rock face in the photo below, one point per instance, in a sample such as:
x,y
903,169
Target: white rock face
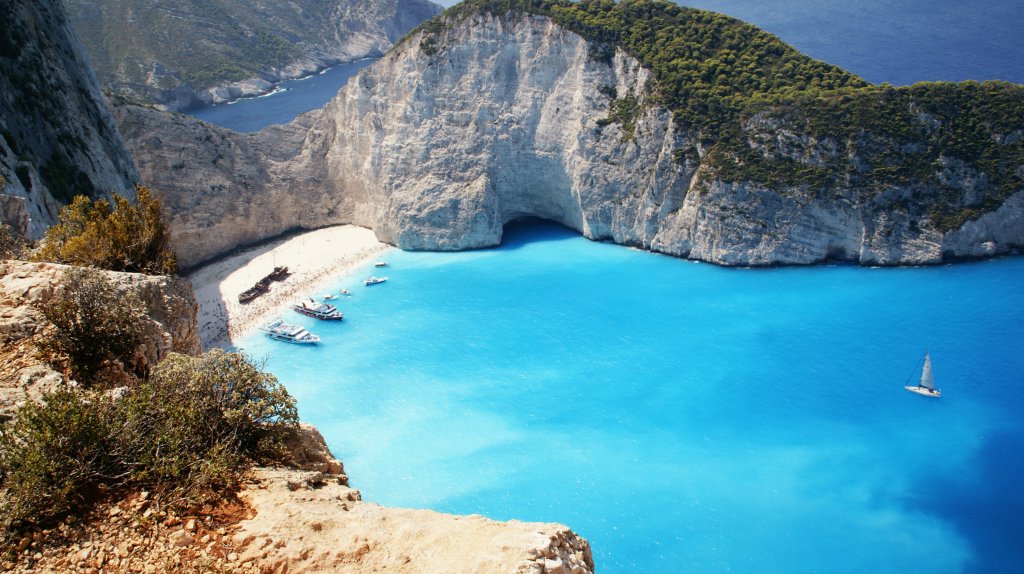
x,y
221,189
503,123
438,145
439,152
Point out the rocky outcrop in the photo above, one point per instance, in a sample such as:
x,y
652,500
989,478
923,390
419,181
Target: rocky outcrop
x,y
305,523
220,189
57,138
494,118
307,450
169,323
149,48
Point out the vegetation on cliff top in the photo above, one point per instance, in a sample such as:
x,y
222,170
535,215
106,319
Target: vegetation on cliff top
x,y
734,87
96,327
186,433
118,237
708,66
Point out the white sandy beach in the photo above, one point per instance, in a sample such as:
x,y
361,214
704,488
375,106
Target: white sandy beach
x,y
313,258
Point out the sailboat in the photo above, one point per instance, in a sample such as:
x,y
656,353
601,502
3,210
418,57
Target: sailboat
x,y
927,385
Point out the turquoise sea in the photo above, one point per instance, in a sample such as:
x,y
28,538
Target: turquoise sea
x,y
683,417
686,417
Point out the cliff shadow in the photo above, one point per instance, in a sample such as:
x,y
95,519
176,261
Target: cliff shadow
x,y
529,230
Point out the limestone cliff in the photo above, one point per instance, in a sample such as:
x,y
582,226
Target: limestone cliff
x,y
57,138
181,53
484,119
221,189
14,213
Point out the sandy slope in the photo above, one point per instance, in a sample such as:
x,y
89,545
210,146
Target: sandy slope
x,y
313,258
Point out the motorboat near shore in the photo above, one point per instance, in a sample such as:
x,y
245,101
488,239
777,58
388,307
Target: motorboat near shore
x,y
289,333
322,311
374,281
381,264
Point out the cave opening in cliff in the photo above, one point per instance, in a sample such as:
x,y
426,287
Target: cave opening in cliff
x,y
530,229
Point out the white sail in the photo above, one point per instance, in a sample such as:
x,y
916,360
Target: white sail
x,y
927,381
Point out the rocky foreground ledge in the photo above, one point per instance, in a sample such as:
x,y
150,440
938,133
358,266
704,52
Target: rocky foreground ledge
x,y
298,520
305,518
307,522
170,325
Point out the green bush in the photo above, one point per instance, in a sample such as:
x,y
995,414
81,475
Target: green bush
x,y
186,433
95,325
51,455
213,412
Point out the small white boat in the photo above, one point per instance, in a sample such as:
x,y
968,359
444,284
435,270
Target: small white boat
x,y
926,387
323,311
374,281
346,292
329,297
381,264
289,333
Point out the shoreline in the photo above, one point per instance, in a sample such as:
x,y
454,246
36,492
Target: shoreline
x,y
274,86
314,258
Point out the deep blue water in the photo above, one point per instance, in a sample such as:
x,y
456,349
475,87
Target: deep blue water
x,y
294,97
681,416
896,41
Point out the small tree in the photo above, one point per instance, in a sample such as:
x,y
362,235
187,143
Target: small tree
x,y
95,324
118,237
